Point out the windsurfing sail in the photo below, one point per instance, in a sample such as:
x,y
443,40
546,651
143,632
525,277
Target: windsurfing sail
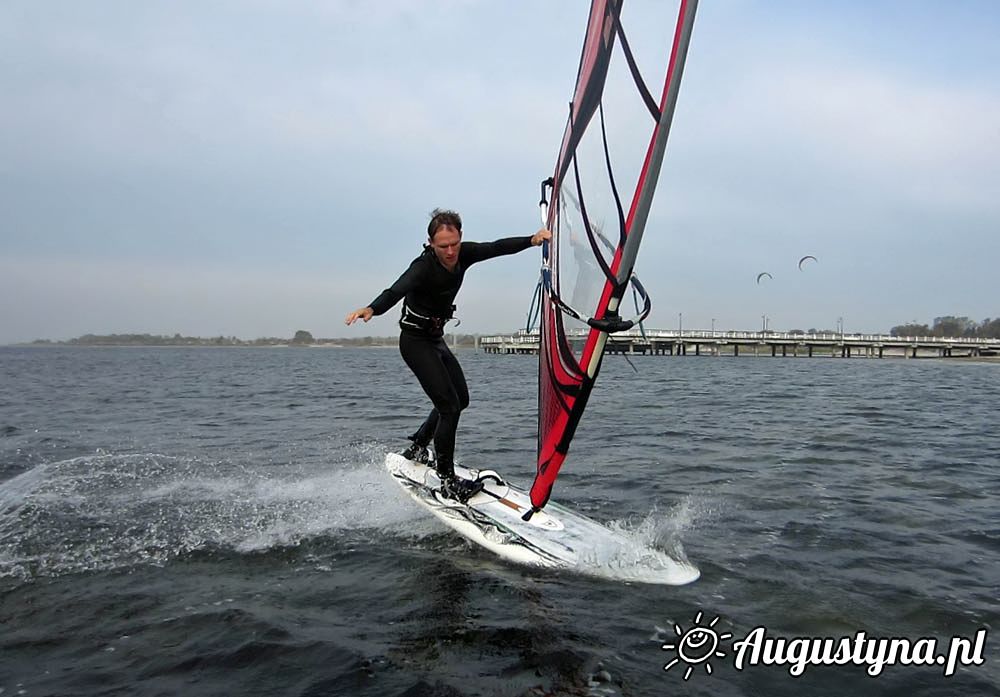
x,y
599,202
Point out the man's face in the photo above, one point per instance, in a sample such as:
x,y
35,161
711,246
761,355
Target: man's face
x,y
446,243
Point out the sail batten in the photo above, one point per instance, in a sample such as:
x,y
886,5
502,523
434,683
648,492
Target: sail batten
x,y
582,287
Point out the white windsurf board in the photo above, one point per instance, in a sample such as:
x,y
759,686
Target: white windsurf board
x,y
553,537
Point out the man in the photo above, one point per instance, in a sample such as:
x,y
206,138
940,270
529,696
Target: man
x,y
428,289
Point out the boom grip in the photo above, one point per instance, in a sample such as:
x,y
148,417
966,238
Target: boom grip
x,y
543,204
611,324
550,182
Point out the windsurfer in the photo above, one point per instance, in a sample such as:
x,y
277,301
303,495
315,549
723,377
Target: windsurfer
x,y
428,289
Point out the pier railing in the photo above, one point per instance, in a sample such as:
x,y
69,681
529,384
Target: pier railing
x,y
704,342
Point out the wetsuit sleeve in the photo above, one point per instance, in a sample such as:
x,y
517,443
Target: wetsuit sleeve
x,y
481,251
398,290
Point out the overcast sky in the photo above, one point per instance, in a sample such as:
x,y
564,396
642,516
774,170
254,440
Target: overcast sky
x,y
255,167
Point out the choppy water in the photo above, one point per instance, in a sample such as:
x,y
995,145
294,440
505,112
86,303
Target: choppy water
x,y
218,522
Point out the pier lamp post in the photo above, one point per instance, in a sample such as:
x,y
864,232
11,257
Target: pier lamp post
x,y
713,326
680,323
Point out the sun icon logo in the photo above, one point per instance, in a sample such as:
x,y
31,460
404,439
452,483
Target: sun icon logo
x,y
698,644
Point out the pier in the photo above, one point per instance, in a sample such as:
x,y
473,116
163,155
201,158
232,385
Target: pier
x,y
676,342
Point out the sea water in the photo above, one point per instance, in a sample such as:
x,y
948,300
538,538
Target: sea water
x,y
207,521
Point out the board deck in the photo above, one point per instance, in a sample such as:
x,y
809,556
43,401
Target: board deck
x,y
553,537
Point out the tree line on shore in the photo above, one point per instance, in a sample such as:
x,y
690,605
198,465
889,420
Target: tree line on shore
x,y
301,338
957,327
159,340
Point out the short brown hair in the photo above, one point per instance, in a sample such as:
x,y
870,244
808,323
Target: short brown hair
x,y
440,218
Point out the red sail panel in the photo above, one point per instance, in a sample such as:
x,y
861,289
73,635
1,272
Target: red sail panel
x,y
571,352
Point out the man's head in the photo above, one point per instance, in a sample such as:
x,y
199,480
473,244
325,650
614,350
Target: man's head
x,y
444,235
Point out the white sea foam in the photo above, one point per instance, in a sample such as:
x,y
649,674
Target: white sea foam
x,y
111,510
649,550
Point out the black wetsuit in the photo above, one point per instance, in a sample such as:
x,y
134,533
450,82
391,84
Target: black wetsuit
x,y
428,292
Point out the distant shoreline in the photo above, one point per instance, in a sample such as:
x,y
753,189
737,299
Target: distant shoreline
x,y
304,339
393,343
301,340
66,344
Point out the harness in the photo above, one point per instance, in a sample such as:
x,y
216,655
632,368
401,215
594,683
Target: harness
x,y
416,320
